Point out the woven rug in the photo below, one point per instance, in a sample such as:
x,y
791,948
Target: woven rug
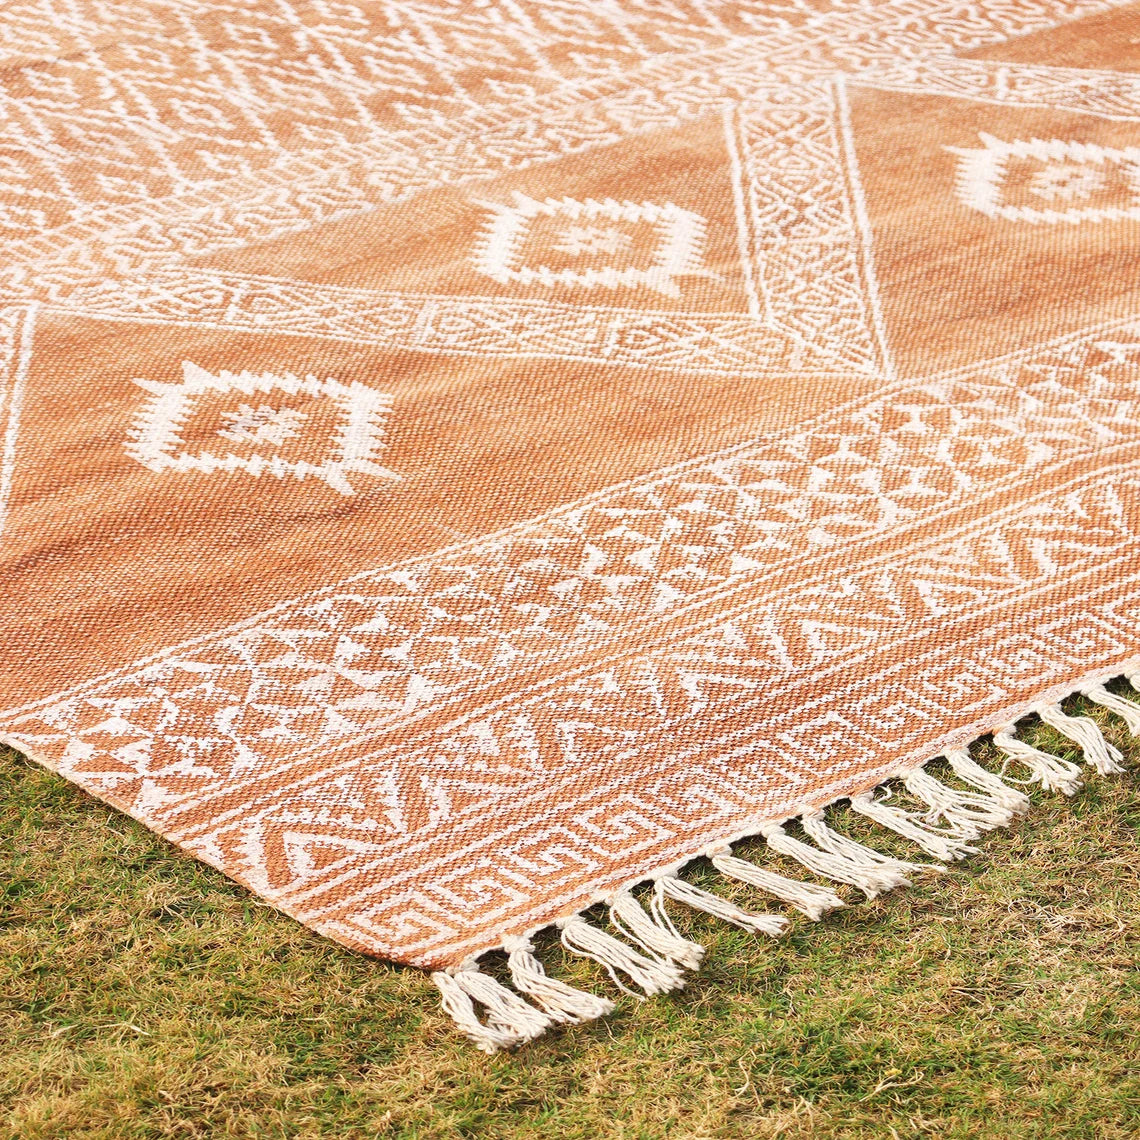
x,y
462,462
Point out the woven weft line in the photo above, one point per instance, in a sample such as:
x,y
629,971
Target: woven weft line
x,y
462,463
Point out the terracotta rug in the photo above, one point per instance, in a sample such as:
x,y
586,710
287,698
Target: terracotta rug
x,y
460,461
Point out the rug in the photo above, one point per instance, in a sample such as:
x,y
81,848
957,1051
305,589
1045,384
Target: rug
x,y
463,461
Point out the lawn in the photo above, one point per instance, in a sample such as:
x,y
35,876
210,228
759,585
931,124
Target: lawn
x,y
144,995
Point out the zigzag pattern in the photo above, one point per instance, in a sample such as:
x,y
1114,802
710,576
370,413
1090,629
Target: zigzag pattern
x,y
751,684
167,172
401,643
432,754
663,812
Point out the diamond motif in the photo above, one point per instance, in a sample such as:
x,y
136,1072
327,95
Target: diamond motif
x,y
1047,181
352,437
652,243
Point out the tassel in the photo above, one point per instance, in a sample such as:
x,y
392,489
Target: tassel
x,y
967,813
813,901
563,1003
889,871
945,845
653,975
1129,710
656,934
686,893
1085,733
871,879
970,772
815,826
1053,773
510,1020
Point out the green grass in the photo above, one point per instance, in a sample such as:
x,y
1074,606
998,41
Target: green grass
x,y
143,995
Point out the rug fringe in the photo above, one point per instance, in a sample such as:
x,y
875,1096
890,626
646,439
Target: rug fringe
x,y
561,1002
510,1020
1053,773
807,898
969,772
652,972
1128,711
968,813
653,931
672,887
947,844
653,954
1084,733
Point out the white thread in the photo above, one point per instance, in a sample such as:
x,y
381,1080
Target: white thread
x,y
1128,710
871,878
680,891
563,1003
967,770
1085,733
1053,773
815,826
510,1020
653,975
814,901
461,1009
651,934
885,871
967,813
947,845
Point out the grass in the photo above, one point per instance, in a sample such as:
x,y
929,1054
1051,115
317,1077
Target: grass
x,y
143,995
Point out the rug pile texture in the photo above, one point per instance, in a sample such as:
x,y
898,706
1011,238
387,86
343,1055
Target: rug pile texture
x,y
460,461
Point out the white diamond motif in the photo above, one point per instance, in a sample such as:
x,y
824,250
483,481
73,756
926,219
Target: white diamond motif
x,y
596,228
1069,181
155,439
578,241
1069,173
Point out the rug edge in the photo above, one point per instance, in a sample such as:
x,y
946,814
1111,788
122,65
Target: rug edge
x,y
653,956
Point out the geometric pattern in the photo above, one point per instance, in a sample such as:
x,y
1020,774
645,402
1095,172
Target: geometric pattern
x,y
451,746
357,437
1072,182
280,86
594,228
203,721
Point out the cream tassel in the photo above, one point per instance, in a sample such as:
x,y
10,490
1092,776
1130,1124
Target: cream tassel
x,y
1053,773
870,877
510,1020
967,770
1129,710
562,1002
815,826
653,975
1085,733
890,871
655,933
967,813
946,845
814,901
686,893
